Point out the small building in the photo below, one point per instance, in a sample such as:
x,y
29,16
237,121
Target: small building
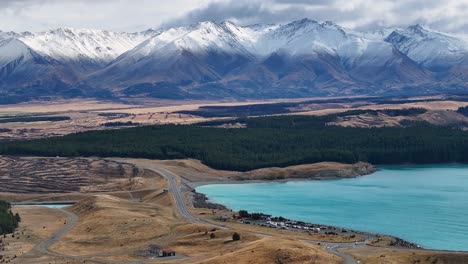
x,y
158,251
155,250
168,253
223,218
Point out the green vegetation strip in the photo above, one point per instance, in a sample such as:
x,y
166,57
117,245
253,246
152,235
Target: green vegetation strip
x,y
120,124
29,119
266,142
463,110
117,115
281,108
8,220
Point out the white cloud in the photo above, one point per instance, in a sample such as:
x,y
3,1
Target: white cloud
x,y
133,15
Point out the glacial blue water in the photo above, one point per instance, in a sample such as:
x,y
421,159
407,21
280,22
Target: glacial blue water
x,y
427,205
53,206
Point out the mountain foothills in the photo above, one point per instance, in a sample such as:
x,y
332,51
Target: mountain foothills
x,y
210,60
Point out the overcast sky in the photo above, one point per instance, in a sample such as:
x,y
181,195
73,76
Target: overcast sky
x,y
135,15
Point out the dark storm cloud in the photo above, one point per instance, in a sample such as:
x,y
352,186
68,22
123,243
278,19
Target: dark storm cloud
x,y
250,12
447,15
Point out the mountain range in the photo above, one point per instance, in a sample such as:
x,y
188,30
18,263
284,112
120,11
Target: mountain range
x,y
210,60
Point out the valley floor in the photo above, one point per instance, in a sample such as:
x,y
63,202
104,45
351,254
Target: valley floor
x,y
86,115
119,225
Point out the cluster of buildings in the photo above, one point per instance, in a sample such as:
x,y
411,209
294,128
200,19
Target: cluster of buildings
x,y
293,225
283,223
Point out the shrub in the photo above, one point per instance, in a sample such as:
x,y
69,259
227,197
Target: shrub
x,y
8,220
463,110
243,214
236,237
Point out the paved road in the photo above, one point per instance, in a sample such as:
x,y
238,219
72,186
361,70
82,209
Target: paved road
x,y
184,212
43,247
334,248
182,207
176,193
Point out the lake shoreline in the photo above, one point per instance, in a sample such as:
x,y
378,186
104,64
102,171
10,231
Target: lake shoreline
x,y
367,237
201,200
377,234
375,168
359,170
197,184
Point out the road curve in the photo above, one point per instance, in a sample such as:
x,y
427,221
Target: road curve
x,y
176,193
333,248
44,245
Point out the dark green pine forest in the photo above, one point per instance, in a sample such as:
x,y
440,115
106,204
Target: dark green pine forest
x,y
463,110
266,142
8,220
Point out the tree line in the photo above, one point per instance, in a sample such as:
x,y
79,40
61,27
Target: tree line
x,y
266,142
463,110
8,220
30,119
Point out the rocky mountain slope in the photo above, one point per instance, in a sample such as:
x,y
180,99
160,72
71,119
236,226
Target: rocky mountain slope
x,y
225,60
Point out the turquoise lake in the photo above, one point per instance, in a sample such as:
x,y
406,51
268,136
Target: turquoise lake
x,y
427,205
53,206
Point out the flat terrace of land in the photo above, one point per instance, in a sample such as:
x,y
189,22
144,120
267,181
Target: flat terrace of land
x,y
23,175
263,142
194,173
84,115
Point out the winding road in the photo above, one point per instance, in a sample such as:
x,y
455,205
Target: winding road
x,y
176,193
44,245
174,188
333,248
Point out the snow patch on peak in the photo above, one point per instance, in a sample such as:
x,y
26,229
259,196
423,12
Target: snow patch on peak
x,y
13,49
427,47
68,44
7,35
302,22
198,38
376,34
300,37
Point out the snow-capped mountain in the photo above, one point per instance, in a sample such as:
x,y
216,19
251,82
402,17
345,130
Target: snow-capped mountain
x,y
85,47
200,52
304,54
431,49
7,35
377,33
210,59
27,74
60,57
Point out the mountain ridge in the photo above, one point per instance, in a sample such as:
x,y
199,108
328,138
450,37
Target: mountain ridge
x,y
224,60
